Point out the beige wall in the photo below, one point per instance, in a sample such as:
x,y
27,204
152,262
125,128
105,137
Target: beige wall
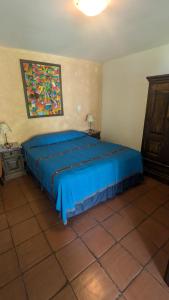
x,y
81,85
125,94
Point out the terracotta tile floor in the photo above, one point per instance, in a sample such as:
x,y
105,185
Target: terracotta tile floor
x,y
116,251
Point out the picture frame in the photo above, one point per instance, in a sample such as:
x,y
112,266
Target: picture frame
x,y
42,85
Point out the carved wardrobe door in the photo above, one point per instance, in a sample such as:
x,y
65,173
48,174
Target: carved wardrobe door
x,y
155,144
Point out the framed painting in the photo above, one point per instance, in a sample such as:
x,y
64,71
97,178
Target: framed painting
x,y
43,88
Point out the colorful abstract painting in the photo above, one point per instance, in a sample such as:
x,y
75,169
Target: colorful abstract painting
x,y
42,88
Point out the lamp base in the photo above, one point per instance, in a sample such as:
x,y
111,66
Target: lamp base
x,y
90,130
7,145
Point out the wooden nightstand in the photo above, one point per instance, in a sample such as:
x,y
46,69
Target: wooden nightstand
x,y
12,162
95,134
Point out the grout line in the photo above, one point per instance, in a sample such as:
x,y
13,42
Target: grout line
x,y
21,275
96,260
20,222
80,237
98,222
26,271
164,286
54,253
62,290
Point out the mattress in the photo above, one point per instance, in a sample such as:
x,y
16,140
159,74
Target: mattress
x,y
79,171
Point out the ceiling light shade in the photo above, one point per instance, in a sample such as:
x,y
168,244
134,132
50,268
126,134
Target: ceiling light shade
x,y
91,7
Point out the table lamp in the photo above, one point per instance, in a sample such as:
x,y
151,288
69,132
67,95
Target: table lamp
x,y
4,129
90,120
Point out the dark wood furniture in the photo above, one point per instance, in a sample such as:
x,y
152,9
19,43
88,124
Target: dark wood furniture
x,y
166,278
155,144
94,133
12,162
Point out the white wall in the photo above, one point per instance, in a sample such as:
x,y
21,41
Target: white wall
x,y
124,95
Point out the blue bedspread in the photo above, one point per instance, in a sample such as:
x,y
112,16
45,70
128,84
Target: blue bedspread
x,y
73,167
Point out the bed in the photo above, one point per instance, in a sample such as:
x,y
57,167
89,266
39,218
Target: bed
x,y
79,171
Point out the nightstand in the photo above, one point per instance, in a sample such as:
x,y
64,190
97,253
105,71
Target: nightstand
x,y
94,133
12,161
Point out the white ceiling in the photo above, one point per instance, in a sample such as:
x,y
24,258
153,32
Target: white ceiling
x,y
56,26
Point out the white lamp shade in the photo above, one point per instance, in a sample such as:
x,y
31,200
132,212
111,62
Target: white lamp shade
x,y
4,128
90,118
91,7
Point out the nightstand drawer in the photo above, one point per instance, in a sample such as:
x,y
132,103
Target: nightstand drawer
x,y
13,165
11,154
12,162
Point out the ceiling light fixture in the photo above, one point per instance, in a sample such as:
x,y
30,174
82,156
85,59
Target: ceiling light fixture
x,y
91,7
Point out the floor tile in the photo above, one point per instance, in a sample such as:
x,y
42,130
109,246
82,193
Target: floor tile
x,y
94,284
40,205
31,192
9,268
82,223
25,230
8,186
101,212
146,204
91,280
164,188
13,198
5,241
138,191
44,280
118,226
140,247
98,240
29,181
150,182
48,219
117,203
133,193
1,207
145,287
162,215
0,191
66,294
13,291
74,258
133,215
154,231
158,265
120,265
19,214
32,251
166,248
60,235
159,195
3,222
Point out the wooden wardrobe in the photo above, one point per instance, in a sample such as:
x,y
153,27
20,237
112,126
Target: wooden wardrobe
x,y
155,144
